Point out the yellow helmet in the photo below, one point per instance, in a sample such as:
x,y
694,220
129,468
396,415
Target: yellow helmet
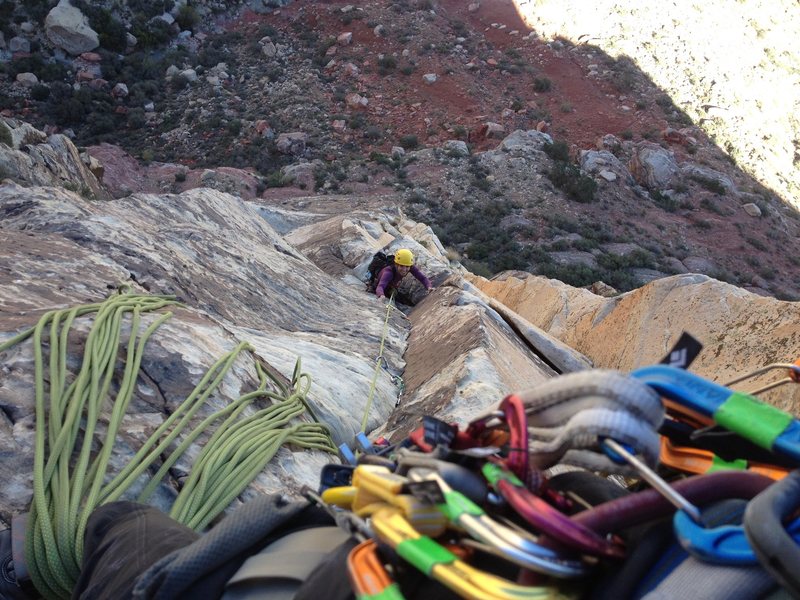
x,y
404,257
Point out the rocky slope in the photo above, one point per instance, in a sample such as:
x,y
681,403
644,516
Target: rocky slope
x,y
733,68
239,279
324,96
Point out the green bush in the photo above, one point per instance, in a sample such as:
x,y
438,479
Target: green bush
x,y
569,178
5,135
409,142
187,17
667,203
40,92
542,84
557,151
386,63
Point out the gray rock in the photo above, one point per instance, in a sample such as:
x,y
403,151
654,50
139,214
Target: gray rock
x,y
67,28
752,209
653,166
699,264
398,152
674,265
429,78
524,143
644,276
27,79
695,171
19,44
269,49
292,143
36,159
456,148
574,257
120,90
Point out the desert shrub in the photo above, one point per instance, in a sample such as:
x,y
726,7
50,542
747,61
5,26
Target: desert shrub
x,y
386,63
409,142
756,243
151,8
542,84
152,33
668,203
557,151
574,275
234,127
5,135
373,132
575,184
187,17
110,31
40,92
136,118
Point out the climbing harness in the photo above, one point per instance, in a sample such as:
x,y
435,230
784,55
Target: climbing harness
x,y
70,474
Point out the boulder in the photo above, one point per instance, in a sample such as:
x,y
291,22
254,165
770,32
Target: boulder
x,y
19,44
702,173
292,143
653,166
524,143
456,148
68,28
752,209
27,80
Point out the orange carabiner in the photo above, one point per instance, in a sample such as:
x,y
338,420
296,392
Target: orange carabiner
x,y
368,575
699,461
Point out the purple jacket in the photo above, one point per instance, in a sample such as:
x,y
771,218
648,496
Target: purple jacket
x,y
389,279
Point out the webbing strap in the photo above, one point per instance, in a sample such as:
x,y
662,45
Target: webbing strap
x,y
749,417
424,553
718,464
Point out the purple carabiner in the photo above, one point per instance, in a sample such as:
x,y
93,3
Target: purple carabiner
x,y
548,520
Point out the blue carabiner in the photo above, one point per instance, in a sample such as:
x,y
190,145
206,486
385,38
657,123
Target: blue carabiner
x,y
723,545
763,424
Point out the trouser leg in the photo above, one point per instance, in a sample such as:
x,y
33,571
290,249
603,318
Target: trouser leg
x,y
122,540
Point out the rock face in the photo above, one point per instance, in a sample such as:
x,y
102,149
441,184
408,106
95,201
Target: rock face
x,y
37,159
241,280
740,331
67,28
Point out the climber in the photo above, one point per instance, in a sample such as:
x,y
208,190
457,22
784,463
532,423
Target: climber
x,y
390,277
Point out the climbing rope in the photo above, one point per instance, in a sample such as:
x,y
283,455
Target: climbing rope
x,y
70,469
389,306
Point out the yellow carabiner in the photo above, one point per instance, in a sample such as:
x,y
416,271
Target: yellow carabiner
x,y
444,566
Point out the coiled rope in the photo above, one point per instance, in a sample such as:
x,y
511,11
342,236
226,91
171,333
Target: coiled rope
x,y
69,471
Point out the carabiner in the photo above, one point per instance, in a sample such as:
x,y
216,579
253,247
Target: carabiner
x,y
762,424
445,567
724,544
641,507
368,575
517,548
793,376
547,519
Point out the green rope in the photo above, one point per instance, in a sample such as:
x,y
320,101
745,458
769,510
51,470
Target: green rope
x,y
70,469
389,306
